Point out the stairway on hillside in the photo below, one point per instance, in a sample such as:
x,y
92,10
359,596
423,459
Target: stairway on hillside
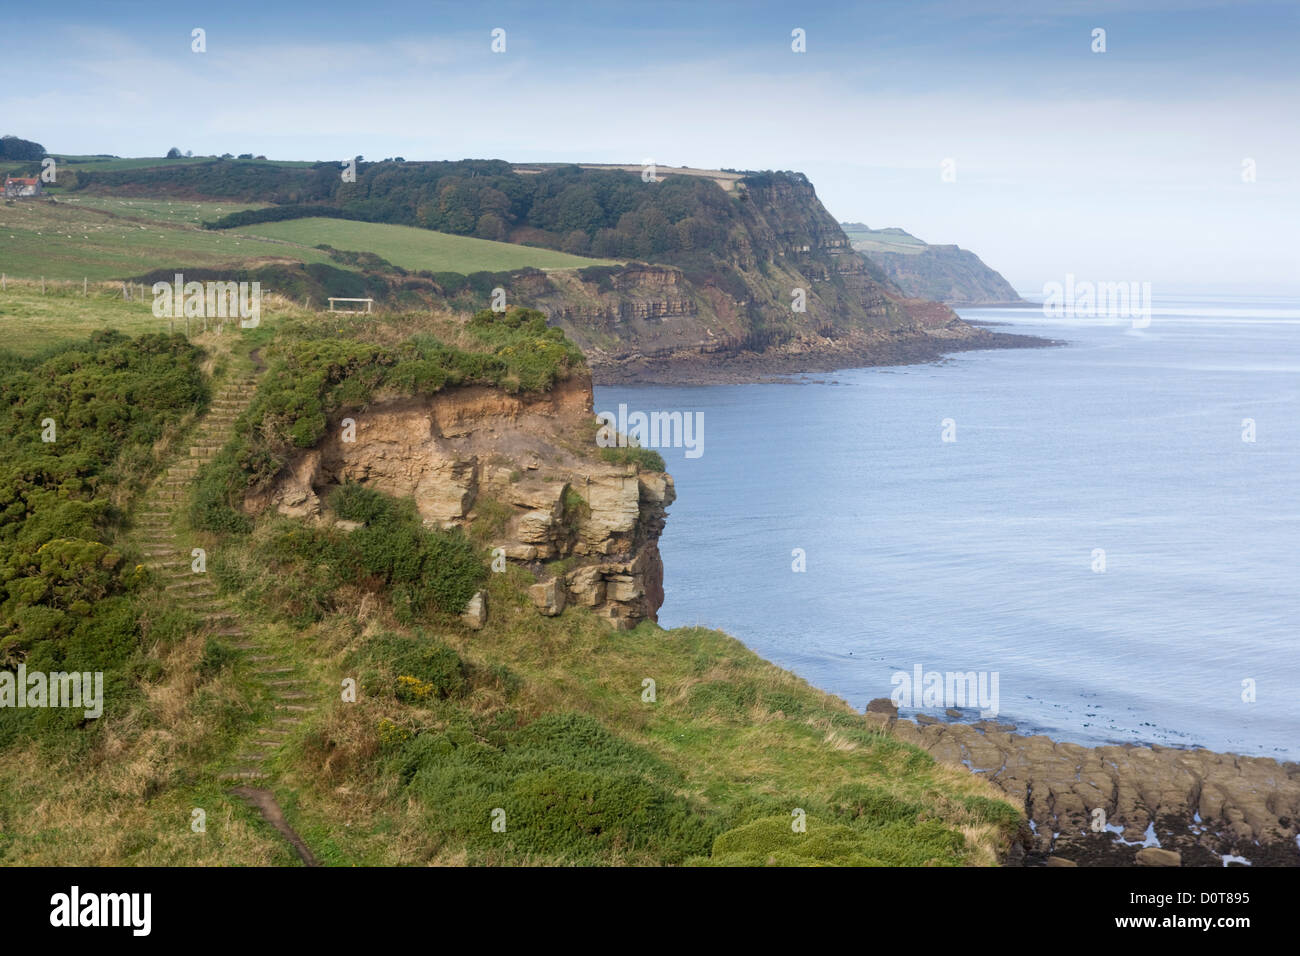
x,y
167,555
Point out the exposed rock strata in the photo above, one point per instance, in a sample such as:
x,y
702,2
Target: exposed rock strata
x,y
523,464
1198,804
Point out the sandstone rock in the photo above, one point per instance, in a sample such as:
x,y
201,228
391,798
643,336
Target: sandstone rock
x,y
587,586
535,527
548,596
475,613
953,712
1154,856
1060,861
466,453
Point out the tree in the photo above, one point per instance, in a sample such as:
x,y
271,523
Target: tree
x,y
11,147
174,153
577,243
491,226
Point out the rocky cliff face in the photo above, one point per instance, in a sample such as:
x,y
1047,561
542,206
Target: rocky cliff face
x,y
947,273
786,285
522,469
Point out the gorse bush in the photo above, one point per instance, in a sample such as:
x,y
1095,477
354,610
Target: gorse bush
x,y
424,571
105,403
571,790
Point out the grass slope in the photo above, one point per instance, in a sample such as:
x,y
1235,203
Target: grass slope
x,y
545,719
72,240
420,249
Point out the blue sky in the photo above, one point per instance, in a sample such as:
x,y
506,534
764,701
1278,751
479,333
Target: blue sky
x,y
1123,165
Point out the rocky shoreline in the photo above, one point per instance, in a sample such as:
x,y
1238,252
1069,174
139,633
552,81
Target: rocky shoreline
x,y
859,349
1160,806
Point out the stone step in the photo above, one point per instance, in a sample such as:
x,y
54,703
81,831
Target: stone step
x,y
287,721
293,708
192,586
269,744
245,773
272,670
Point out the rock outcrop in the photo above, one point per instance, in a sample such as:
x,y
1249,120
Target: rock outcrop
x,y
524,467
1203,808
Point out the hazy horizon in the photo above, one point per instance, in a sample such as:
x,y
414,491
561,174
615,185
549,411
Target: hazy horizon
x,y
1125,165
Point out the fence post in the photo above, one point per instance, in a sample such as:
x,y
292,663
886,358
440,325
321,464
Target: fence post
x,y
42,285
83,287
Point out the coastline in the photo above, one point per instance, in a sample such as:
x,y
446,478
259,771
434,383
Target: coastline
x,y
809,355
1199,807
1160,805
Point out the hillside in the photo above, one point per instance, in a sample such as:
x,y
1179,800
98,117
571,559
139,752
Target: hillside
x,y
528,712
945,274
420,249
725,270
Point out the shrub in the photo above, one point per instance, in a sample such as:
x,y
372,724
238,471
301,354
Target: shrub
x,y
647,459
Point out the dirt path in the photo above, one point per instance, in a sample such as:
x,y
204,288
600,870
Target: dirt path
x,y
265,803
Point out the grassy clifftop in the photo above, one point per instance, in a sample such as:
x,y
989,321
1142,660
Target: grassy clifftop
x,y
533,740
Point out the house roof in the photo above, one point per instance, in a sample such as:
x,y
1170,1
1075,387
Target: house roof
x,y
24,182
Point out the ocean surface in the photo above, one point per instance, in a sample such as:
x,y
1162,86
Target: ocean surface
x,y
982,555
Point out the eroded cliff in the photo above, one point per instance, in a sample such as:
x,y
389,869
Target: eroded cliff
x,y
520,470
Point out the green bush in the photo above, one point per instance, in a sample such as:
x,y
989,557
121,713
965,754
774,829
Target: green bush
x,y
110,399
647,459
772,841
424,570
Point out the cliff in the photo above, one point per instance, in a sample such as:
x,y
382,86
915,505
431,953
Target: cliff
x,y
944,273
518,471
784,292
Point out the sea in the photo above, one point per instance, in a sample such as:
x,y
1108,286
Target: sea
x,y
1105,533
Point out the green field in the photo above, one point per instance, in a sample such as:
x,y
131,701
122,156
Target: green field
x,y
187,211
418,249
31,321
67,240
882,240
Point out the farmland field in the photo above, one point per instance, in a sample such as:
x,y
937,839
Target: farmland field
x,y
186,211
68,240
417,249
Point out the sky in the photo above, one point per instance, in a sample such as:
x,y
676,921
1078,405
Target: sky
x,y
1125,165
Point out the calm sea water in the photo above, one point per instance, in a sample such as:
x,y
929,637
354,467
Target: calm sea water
x,y
980,554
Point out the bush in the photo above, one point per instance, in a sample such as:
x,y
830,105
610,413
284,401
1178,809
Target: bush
x,y
110,398
647,459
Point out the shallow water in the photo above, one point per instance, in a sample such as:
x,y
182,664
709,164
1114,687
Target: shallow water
x,y
979,554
